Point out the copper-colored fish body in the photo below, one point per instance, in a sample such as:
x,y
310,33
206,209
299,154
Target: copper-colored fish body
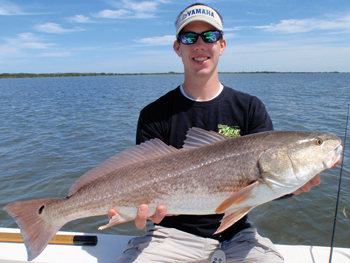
x,y
211,174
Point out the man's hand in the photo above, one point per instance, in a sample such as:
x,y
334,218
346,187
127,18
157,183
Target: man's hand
x,y
141,218
316,180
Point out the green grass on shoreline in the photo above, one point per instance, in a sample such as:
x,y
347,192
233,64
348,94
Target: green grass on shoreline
x,y
41,75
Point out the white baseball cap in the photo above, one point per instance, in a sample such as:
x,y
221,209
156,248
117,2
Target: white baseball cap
x,y
198,13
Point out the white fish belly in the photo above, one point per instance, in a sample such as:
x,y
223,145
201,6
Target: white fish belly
x,y
189,204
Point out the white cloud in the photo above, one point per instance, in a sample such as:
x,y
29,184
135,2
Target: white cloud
x,y
143,15
36,45
28,41
306,25
21,44
112,13
27,37
55,28
130,9
146,6
7,9
56,54
230,35
236,28
157,41
80,19
285,56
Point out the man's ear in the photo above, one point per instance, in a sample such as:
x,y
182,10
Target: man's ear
x,y
176,47
222,46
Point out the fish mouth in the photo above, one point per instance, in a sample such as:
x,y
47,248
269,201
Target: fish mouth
x,y
333,158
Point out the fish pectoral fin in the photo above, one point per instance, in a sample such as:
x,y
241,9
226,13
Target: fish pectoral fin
x,y
233,213
232,217
115,220
236,198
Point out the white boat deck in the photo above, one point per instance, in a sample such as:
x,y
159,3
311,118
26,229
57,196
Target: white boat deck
x,y
109,247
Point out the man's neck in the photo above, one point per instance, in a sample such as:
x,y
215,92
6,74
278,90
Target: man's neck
x,y
201,88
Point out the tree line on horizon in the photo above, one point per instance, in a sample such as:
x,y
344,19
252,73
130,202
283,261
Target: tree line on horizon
x,y
41,75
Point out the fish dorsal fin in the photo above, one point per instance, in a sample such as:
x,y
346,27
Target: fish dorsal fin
x,y
197,137
144,151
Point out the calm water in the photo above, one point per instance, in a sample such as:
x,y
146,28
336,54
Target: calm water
x,y
52,130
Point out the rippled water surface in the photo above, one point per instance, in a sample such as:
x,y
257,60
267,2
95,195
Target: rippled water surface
x,y
52,130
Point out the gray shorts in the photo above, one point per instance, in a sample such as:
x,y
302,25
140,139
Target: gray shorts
x,y
161,244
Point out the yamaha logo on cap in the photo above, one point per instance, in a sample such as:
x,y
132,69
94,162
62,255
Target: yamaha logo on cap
x,y
199,13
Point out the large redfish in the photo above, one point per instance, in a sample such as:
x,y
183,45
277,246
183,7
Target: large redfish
x,y
211,174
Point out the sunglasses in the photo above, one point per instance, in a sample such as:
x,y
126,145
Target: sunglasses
x,y
211,36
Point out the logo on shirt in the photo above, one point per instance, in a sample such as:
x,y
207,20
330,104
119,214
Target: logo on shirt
x,y
228,131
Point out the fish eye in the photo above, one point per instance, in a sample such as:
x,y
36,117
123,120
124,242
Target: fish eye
x,y
319,142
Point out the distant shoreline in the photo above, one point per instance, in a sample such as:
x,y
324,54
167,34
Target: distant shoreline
x,y
42,75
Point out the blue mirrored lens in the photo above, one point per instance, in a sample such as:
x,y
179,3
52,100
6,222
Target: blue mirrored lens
x,y
188,38
211,36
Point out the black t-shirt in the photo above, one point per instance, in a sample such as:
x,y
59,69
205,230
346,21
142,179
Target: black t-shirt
x,y
231,113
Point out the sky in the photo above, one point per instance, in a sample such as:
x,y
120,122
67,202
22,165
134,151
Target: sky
x,y
132,36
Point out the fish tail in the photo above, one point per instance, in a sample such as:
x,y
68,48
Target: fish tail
x,y
37,228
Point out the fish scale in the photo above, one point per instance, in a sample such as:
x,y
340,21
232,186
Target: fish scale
x,y
211,174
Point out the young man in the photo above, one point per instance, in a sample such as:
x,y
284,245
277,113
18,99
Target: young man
x,y
201,101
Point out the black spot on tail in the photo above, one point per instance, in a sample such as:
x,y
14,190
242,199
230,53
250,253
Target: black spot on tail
x,y
41,209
